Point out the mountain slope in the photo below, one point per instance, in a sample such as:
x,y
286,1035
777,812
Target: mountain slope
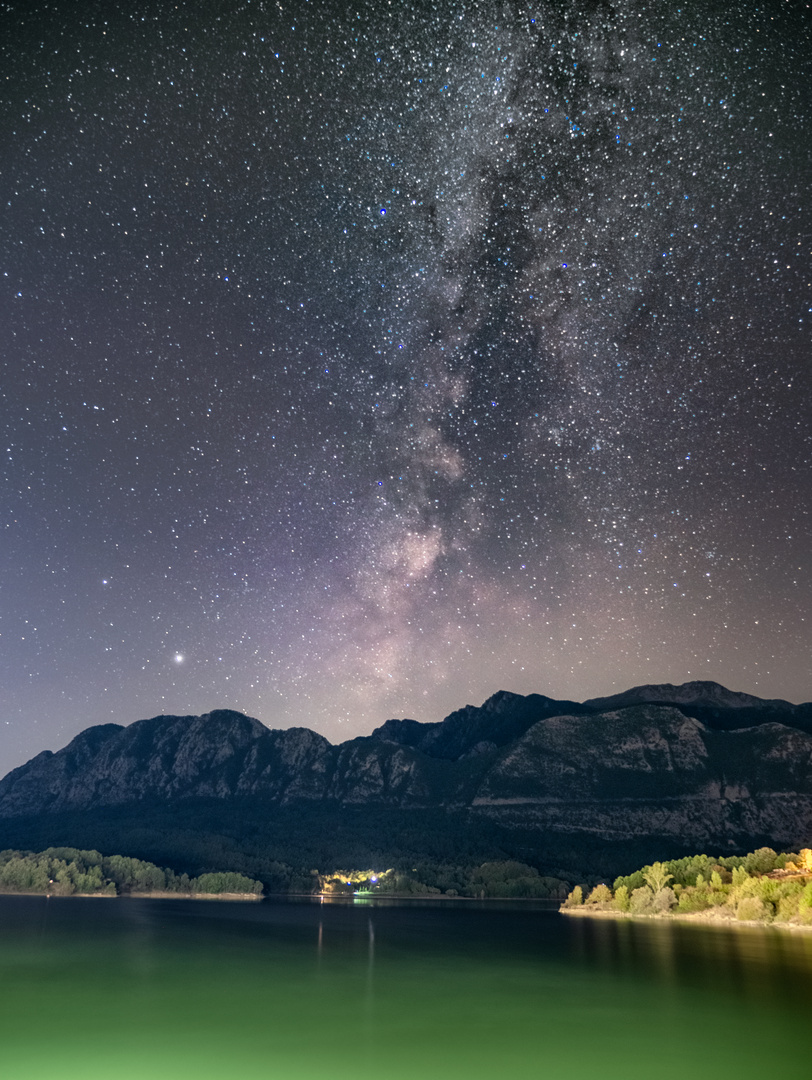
x,y
553,783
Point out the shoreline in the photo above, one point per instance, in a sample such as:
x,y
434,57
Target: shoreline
x,y
158,894
426,896
154,895
703,918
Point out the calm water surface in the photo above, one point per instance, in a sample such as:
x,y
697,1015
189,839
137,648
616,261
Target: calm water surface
x,y
173,988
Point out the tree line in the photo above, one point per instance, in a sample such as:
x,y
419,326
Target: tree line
x,y
68,871
65,871
763,886
505,878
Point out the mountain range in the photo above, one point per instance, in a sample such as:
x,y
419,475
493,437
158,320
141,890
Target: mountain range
x,y
569,787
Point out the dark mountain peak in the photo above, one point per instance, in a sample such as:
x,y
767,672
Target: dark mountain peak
x,y
40,781
230,725
220,719
202,736
469,726
505,700
94,737
713,704
501,700
297,746
505,716
220,754
226,717
402,732
83,747
698,692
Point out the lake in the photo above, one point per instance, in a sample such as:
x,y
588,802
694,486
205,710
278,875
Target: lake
x,y
130,988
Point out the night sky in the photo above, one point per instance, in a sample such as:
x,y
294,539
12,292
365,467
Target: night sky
x,y
362,359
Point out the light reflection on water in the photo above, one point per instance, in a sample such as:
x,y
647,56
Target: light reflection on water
x,y
172,988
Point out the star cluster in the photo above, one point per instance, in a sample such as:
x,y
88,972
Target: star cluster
x,y
362,359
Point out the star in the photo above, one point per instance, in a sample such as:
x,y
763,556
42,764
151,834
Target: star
x,y
514,350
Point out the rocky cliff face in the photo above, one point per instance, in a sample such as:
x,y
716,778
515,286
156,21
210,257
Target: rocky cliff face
x,y
503,718
222,755
651,770
529,766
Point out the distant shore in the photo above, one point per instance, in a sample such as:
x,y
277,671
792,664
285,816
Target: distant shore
x,y
706,918
551,900
154,895
157,894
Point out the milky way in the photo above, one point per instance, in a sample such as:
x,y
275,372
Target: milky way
x,y
361,360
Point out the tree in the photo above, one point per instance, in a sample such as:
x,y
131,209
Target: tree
x,y
761,861
740,875
621,901
805,904
601,894
640,901
631,881
25,874
575,898
226,883
664,900
656,876
753,909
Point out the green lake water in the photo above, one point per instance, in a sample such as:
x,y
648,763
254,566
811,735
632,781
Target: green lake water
x,y
121,989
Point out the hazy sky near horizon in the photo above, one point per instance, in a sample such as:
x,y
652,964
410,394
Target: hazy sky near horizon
x,y
363,359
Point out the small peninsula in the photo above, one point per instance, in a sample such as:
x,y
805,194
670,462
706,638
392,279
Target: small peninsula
x,y
763,887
